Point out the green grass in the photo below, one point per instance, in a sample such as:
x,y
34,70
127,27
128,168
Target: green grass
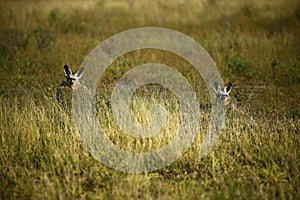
x,y
254,43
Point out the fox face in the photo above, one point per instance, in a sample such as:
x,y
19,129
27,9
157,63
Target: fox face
x,y
223,95
72,78
65,91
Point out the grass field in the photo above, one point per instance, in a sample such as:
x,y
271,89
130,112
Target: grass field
x,y
255,44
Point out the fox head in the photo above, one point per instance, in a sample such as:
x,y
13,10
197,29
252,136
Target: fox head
x,y
222,94
72,78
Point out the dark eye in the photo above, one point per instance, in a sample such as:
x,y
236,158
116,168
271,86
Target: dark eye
x,y
71,80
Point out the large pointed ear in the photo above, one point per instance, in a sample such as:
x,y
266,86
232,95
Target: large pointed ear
x,y
79,73
228,88
68,71
216,88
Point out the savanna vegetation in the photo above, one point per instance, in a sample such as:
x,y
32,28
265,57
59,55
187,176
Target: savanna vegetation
x,y
256,46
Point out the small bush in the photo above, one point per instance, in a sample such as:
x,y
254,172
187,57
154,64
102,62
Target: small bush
x,y
239,66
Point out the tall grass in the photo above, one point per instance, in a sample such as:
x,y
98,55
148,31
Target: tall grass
x,y
255,44
256,156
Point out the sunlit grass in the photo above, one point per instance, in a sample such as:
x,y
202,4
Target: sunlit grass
x,y
41,151
254,43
